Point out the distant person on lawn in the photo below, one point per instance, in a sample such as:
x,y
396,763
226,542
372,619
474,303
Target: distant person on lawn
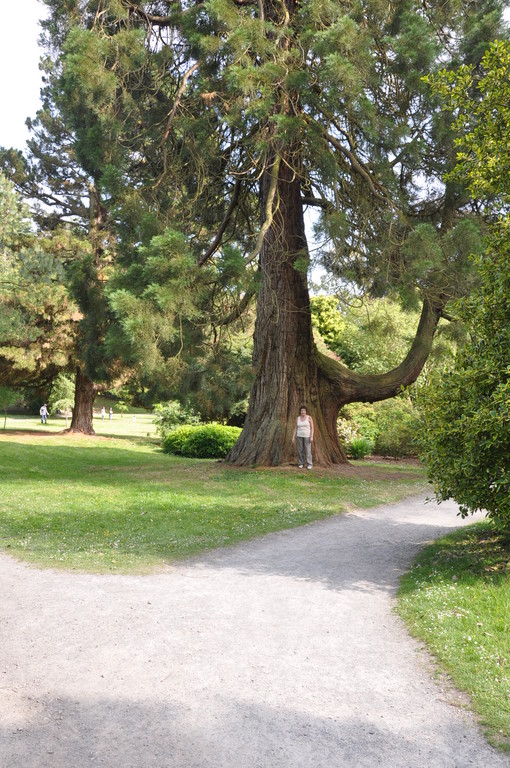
x,y
110,413
43,410
303,433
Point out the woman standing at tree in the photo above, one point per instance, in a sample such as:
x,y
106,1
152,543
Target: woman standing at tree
x,y
303,431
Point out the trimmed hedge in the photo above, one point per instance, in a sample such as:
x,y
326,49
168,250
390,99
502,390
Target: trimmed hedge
x,y
205,441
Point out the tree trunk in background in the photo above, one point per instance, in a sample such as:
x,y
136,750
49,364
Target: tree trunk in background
x,y
85,393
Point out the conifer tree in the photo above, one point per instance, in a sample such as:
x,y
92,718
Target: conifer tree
x,y
225,120
37,316
277,106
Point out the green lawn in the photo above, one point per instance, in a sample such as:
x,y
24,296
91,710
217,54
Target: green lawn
x,y
121,425
457,599
121,505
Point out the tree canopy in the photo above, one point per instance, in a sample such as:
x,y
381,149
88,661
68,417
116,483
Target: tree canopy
x,y
466,413
200,134
37,315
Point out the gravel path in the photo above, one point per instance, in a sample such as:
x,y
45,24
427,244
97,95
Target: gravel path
x,y
279,653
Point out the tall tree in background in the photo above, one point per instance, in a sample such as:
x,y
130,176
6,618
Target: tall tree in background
x,y
37,316
226,119
73,145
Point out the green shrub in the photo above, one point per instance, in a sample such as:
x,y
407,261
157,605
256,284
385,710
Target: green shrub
x,y
399,424
205,441
391,426
169,415
173,442
397,439
359,448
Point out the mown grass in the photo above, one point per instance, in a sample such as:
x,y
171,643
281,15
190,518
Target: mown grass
x,y
120,425
108,505
457,599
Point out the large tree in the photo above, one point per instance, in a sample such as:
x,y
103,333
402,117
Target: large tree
x,y
284,106
72,154
466,426
37,316
229,118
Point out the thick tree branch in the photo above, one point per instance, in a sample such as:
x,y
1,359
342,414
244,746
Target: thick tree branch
x,y
268,211
347,386
317,202
161,21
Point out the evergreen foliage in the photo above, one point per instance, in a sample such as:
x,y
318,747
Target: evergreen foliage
x,y
37,315
466,435
185,141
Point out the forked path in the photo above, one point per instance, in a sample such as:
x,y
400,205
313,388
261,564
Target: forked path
x,y
280,653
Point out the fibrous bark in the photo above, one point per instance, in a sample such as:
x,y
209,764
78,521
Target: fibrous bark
x,y
85,393
289,370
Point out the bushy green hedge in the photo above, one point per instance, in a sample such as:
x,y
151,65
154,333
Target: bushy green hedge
x,y
205,441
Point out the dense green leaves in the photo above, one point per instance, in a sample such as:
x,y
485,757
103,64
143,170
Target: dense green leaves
x,y
466,413
206,441
37,315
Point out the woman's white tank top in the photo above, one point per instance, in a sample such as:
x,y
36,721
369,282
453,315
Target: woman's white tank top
x,y
303,427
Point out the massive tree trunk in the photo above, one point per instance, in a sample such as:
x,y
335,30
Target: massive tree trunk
x,y
85,393
284,357
289,370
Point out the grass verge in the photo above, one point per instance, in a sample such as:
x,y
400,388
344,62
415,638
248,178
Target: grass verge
x,y
457,599
109,505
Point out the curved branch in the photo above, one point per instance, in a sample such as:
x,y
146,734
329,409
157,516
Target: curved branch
x,y
268,213
161,21
347,386
381,193
317,202
217,240
238,311
178,98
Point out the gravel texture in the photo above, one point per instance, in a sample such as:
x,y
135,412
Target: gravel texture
x,y
283,652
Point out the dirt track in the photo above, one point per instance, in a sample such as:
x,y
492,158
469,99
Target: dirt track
x,y
280,653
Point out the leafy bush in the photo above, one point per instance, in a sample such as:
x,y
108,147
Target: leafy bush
x,y
359,448
390,426
205,441
169,415
358,420
174,441
466,426
398,424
